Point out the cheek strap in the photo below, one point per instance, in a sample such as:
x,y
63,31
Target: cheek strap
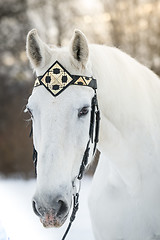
x,y
94,113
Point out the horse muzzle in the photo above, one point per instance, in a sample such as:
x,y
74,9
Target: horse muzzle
x,y
51,214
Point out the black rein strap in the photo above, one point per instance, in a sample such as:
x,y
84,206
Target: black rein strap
x,y
73,215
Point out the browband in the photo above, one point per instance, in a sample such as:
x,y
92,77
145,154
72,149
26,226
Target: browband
x,y
56,79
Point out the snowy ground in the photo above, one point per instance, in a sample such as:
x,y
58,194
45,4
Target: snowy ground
x,y
21,223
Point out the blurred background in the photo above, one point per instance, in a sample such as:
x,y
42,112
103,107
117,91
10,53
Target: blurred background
x,y
131,25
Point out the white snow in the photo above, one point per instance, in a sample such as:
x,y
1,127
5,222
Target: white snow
x,y
20,223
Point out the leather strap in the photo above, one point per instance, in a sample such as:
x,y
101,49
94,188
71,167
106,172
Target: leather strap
x,y
56,79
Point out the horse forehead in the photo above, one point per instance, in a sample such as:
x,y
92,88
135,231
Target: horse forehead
x,y
74,96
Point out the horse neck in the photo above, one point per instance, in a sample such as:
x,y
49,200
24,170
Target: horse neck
x,y
128,96
128,92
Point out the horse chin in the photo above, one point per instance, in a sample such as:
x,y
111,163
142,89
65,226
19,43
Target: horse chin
x,y
51,221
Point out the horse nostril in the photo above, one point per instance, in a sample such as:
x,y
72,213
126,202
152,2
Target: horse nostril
x,y
35,208
57,207
62,208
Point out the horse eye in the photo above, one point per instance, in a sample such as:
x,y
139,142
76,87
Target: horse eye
x,y
83,112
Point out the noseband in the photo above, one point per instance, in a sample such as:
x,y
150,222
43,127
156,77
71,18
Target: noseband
x,y
56,79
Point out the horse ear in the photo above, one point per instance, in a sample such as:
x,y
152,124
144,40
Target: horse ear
x,y
37,50
79,47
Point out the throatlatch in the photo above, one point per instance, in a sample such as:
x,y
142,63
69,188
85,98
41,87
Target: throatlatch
x,y
56,79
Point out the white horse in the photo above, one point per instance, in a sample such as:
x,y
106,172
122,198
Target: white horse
x,y
125,198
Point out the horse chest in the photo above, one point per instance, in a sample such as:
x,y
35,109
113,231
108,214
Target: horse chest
x,y
116,215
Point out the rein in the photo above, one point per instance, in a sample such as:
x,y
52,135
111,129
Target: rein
x,y
55,80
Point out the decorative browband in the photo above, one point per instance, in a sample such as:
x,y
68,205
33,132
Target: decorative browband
x,y
56,79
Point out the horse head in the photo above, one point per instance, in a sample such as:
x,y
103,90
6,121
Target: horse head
x,y
60,126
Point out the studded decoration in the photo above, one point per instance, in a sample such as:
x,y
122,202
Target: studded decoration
x,y
57,78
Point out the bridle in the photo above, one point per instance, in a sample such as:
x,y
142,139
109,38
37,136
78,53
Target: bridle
x,y
56,79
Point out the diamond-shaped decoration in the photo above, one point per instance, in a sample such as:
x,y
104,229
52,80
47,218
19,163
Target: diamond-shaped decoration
x,y
56,79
